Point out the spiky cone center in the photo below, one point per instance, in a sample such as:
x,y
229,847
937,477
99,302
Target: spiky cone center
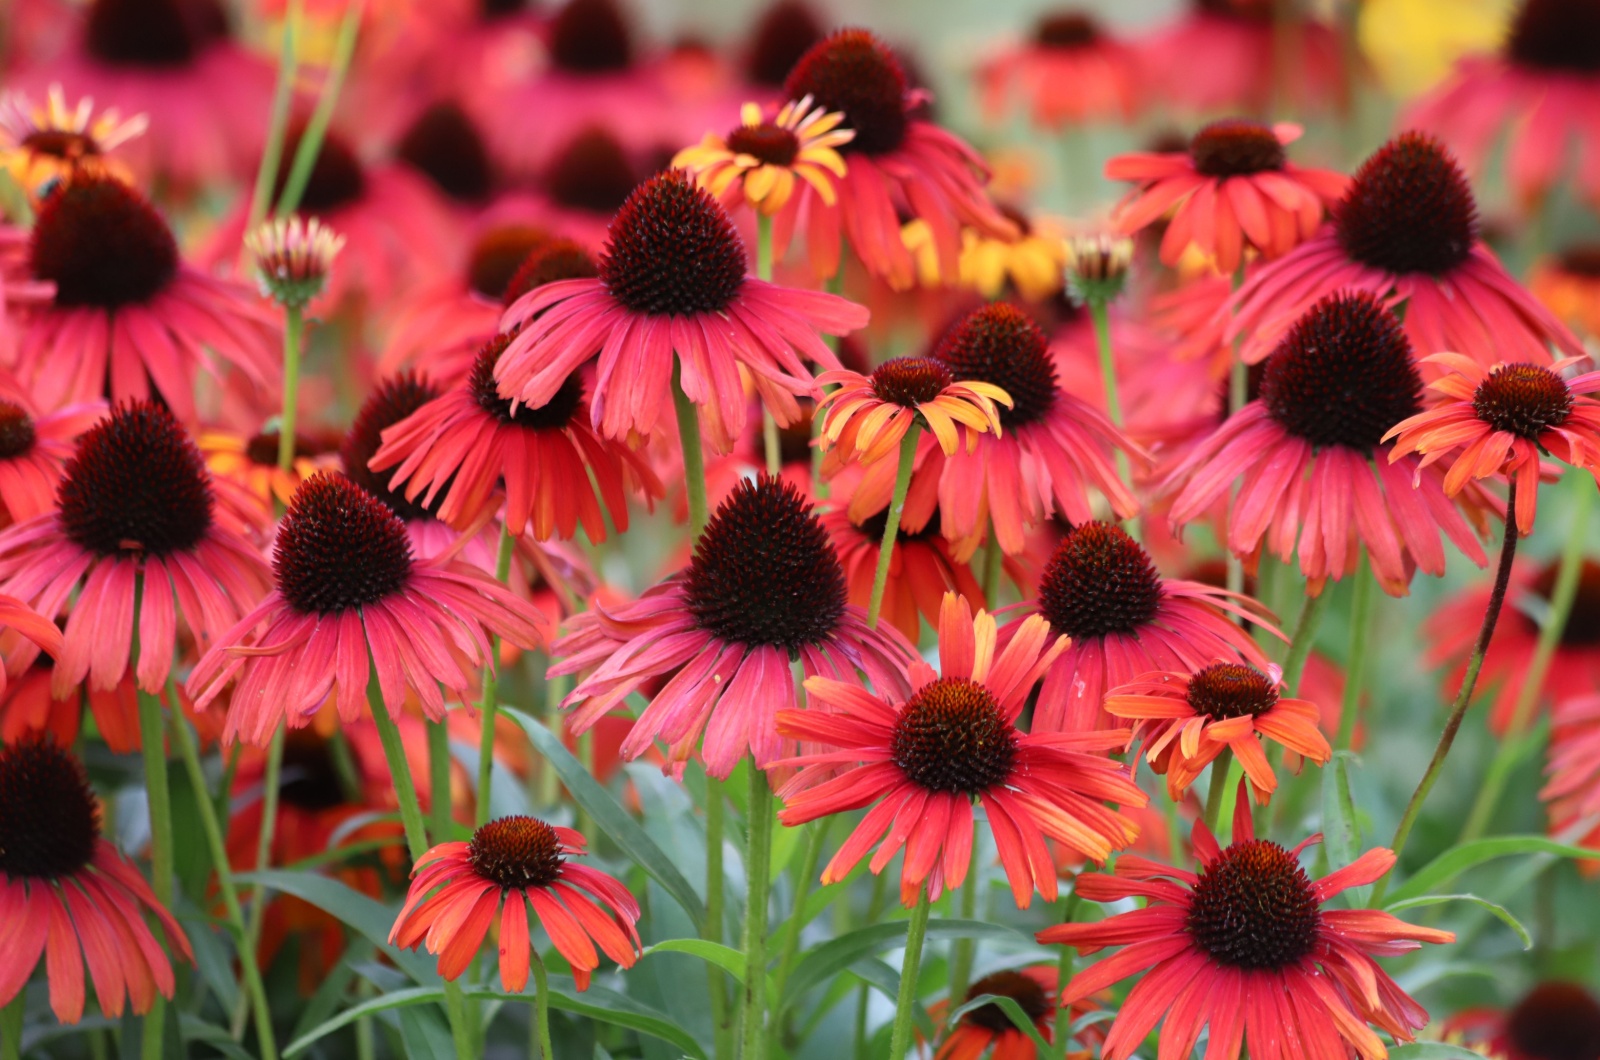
x,y
1582,629
910,381
49,820
136,483
786,30
498,254
952,737
1343,375
1254,908
1231,690
1522,399
443,144
154,34
1003,345
17,433
310,776
64,144
1409,209
673,251
1099,581
768,143
552,415
853,72
517,853
557,259
1561,36
590,37
1066,30
1554,1021
764,572
1236,147
261,448
1029,994
591,172
1582,260
339,548
102,244
391,401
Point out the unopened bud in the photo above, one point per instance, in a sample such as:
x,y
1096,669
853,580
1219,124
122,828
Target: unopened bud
x,y
1097,266
293,258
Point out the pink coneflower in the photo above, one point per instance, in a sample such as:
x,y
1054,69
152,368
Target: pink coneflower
x,y
135,507
459,890
587,180
1184,722
348,589
764,588
672,281
1543,86
927,757
1051,448
786,30
1316,478
1234,189
1221,56
207,97
130,318
1101,589
460,448
1249,947
896,159
68,897
443,143
1501,419
1070,72
34,449
1407,230
1573,764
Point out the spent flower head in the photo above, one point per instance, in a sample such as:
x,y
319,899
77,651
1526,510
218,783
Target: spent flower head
x,y
293,257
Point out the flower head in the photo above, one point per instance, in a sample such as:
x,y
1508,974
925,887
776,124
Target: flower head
x,y
43,144
1501,419
69,896
460,890
1071,71
926,758
1097,266
293,257
989,1026
867,416
1248,947
762,158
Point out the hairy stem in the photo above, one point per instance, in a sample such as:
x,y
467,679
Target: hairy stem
x,y
891,527
758,871
910,966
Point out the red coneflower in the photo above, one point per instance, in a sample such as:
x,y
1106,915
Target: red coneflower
x,y
34,449
764,588
921,570
130,318
18,620
1569,283
459,890
348,587
867,416
1101,590
1573,764
1233,189
896,158
989,1026
1312,466
1407,231
68,896
921,760
1555,1020
672,282
1502,418
1248,947
1069,72
137,516
464,444
1544,87
1185,721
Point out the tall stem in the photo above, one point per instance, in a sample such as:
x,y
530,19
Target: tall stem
x,y
694,461
153,748
278,123
1562,596
993,564
964,950
1355,666
910,967
1217,794
439,817
541,1005
250,971
555,687
1063,1032
758,870
305,155
491,689
1304,636
11,1017
769,426
1099,313
293,325
1238,397
1469,680
716,822
816,834
891,527
271,785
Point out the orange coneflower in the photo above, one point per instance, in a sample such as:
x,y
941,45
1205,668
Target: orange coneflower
x,y
42,144
866,416
457,890
760,161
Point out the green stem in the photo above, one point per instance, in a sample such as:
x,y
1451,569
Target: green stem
x,y
769,426
555,687
154,1022
152,738
344,764
11,1027
305,155
1304,636
541,1005
439,815
1238,397
271,785
993,564
910,967
1099,313
1355,666
293,325
758,871
891,527
694,461
278,124
1217,794
716,822
1562,596
963,952
250,971
1063,1032
864,991
816,834
1458,710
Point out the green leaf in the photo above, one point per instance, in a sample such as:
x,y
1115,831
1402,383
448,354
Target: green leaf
x,y
1447,866
196,1029
1342,830
835,955
610,817
1009,1006
369,918
190,861
1432,1051
727,958
331,991
596,1003
1498,910
426,1035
